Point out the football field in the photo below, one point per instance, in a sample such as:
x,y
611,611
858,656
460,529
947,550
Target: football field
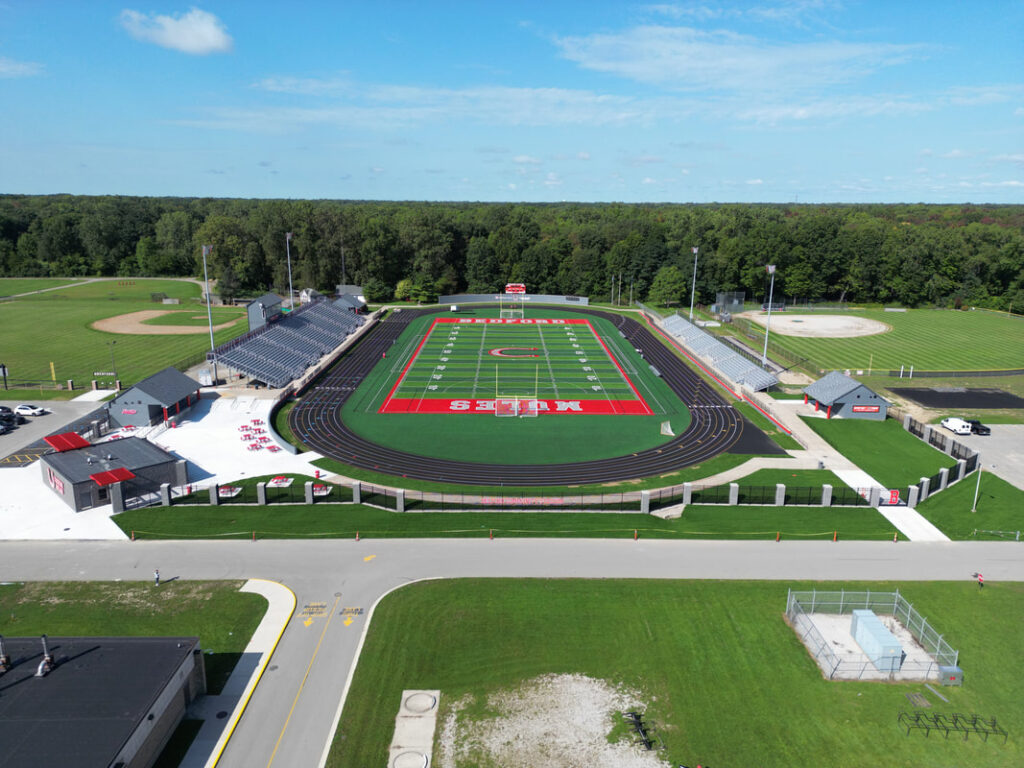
x,y
513,367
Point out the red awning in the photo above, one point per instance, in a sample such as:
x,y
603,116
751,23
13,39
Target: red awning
x,y
67,441
113,476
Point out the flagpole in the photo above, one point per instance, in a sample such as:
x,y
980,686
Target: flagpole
x,y
288,248
768,322
693,287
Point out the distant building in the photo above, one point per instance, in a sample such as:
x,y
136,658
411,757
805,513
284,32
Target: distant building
x,y
107,701
155,399
351,303
846,398
83,474
309,295
263,310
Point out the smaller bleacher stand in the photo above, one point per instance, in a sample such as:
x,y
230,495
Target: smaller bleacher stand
x,y
282,350
724,360
263,311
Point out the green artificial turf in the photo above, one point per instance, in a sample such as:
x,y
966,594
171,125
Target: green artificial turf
x,y
222,617
723,678
345,520
883,449
928,339
485,438
999,513
78,351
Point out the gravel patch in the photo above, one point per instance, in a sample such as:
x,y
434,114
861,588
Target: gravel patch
x,y
554,721
819,326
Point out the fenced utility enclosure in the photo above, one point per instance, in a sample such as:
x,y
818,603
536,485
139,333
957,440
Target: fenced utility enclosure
x,y
822,621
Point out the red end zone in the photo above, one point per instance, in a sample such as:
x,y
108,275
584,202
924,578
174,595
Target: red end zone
x,y
595,407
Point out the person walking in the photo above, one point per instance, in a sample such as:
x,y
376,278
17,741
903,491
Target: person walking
x,y
981,581
156,578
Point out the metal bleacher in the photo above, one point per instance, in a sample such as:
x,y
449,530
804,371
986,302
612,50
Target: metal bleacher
x,y
282,351
726,361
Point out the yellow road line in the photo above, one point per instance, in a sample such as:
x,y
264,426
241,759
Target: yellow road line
x,y
304,678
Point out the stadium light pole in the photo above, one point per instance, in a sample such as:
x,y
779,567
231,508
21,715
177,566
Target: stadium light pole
x,y
208,249
768,322
288,249
693,287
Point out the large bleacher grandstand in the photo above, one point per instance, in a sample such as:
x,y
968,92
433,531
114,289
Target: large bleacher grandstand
x,y
282,350
726,361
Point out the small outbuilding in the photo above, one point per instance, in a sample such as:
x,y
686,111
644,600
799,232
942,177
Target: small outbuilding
x,y
309,295
87,476
100,701
263,310
155,399
846,398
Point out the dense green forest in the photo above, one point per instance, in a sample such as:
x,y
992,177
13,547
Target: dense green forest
x,y
909,254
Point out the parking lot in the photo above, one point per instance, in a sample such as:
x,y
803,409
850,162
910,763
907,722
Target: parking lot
x,y
23,444
1002,452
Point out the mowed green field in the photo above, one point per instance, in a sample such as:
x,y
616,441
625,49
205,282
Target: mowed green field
x,y
12,286
55,327
484,437
928,339
725,681
484,360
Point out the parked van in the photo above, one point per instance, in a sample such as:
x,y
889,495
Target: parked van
x,y
957,426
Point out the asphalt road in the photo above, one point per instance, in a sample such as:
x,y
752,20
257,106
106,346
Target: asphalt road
x,y
290,719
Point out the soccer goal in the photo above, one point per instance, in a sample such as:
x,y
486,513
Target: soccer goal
x,y
519,404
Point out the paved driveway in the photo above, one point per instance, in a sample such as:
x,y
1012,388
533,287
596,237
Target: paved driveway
x,y
18,446
1002,452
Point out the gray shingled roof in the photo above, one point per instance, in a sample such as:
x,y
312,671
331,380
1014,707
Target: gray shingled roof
x,y
268,300
132,453
168,386
831,387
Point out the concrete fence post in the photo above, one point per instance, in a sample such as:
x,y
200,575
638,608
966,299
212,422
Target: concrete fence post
x,y
261,494
780,494
914,497
309,491
826,495
961,465
927,436
400,500
943,478
687,493
925,483
165,494
214,495
357,497
117,497
645,502
874,496
734,494
906,422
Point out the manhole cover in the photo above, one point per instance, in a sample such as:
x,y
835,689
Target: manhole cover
x,y
420,702
410,760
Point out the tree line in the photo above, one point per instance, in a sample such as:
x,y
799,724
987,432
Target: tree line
x,y
914,255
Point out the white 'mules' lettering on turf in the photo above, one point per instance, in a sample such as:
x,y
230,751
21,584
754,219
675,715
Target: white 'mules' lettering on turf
x,y
540,405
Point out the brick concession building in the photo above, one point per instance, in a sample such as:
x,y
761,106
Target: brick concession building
x,y
846,398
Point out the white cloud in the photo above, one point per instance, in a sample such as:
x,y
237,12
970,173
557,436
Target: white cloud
x,y
307,86
691,59
552,180
830,109
1018,159
638,160
1011,183
649,180
9,68
754,182
582,155
526,160
954,154
197,32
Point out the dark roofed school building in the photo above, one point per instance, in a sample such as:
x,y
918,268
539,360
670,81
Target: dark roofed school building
x,y
846,398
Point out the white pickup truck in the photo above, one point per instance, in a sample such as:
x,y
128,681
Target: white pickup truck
x,y
957,426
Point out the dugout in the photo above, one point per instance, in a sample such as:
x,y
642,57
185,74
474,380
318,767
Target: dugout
x,y
264,310
155,399
83,475
105,701
846,398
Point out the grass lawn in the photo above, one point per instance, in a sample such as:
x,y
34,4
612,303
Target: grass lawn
x,y
197,316
928,339
1000,508
887,452
712,466
344,520
12,286
799,478
468,371
222,617
699,652
77,350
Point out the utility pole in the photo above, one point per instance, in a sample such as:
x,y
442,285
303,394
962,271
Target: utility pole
x,y
768,323
693,287
288,249
208,249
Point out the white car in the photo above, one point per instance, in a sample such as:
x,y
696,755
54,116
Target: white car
x,y
29,410
957,426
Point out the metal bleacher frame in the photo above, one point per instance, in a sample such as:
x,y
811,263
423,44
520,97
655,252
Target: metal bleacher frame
x,y
728,362
282,350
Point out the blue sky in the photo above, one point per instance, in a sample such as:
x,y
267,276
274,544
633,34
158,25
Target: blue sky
x,y
769,100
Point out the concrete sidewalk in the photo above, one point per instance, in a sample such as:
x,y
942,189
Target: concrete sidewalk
x,y
217,728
